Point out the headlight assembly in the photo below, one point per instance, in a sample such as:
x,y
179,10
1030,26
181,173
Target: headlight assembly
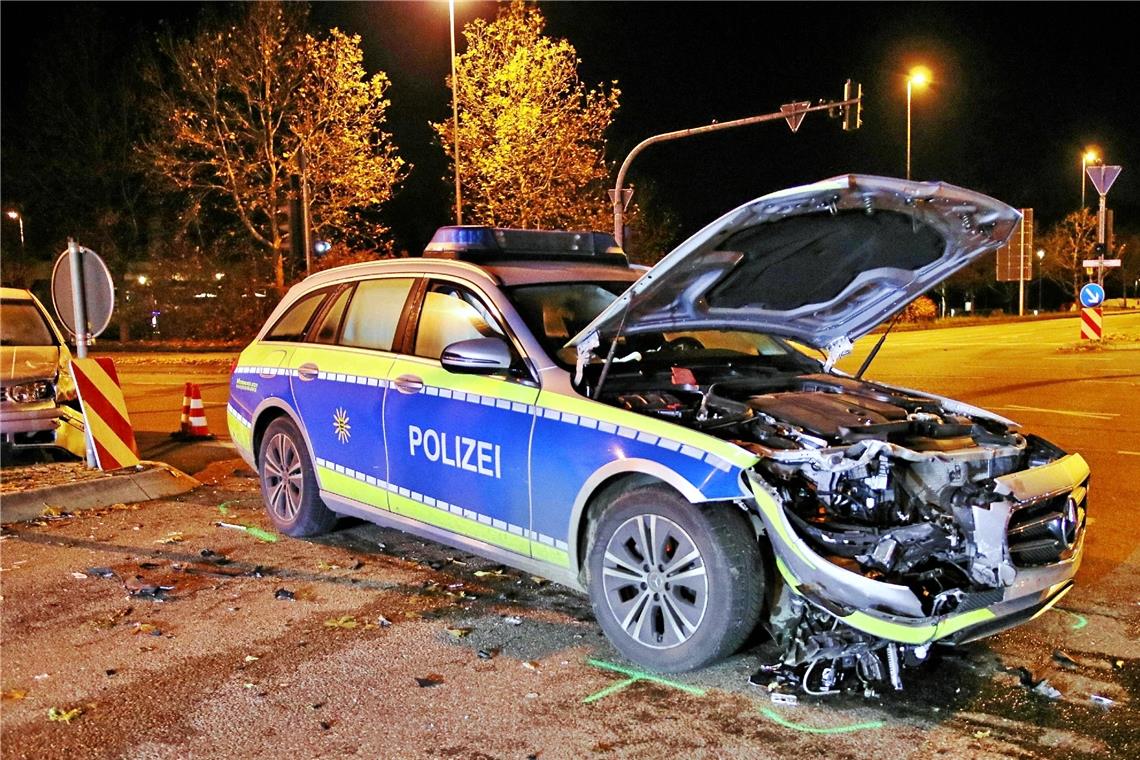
x,y
40,390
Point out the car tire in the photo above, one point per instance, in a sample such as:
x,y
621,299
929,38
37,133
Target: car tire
x,y
695,600
288,485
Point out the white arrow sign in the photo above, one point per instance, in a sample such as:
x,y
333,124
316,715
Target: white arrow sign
x,y
1103,176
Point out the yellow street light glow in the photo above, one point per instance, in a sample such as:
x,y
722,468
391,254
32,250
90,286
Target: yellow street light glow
x,y
13,214
919,76
1090,157
142,279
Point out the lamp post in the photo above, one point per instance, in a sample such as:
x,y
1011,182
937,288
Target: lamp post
x,y
1088,157
455,116
918,76
18,217
1040,277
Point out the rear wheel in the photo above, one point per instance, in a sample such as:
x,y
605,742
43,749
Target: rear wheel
x,y
675,586
288,484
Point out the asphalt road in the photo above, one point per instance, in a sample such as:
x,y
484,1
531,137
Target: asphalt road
x,y
393,647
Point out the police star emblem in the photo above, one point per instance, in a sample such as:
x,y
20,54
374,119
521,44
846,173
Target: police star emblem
x,y
340,425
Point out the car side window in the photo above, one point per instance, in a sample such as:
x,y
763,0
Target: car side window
x,y
452,313
293,323
329,325
374,312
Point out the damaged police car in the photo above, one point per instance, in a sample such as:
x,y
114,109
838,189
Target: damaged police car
x,y
661,440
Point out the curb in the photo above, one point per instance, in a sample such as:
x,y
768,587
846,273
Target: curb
x,y
157,481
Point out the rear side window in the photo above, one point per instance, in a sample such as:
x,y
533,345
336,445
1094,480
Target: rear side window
x,y
374,312
451,314
330,323
293,322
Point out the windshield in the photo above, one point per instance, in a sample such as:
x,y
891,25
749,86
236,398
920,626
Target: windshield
x,y
22,324
556,312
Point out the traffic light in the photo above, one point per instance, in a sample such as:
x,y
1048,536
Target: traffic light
x,y
290,223
853,112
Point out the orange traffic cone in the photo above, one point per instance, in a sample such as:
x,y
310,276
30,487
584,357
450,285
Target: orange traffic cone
x,y
199,428
184,422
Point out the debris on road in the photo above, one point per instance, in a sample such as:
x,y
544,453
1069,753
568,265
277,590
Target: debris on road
x,y
458,633
382,621
174,537
258,533
787,700
1100,701
79,576
147,629
1045,689
512,620
102,572
488,654
57,715
284,594
1064,660
13,694
531,665
432,679
346,622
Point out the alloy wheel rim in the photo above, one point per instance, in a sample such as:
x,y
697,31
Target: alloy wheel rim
x,y
284,479
655,581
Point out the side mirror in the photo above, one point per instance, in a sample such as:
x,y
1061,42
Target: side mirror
x,y
479,356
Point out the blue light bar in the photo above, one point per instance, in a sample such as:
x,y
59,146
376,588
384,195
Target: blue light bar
x,y
504,244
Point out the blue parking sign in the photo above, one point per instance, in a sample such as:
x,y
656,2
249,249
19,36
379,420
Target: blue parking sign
x,y
1092,295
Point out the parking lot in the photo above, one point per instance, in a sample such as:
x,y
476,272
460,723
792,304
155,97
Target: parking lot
x,y
187,628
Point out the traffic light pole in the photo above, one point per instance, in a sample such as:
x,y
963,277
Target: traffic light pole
x,y
795,111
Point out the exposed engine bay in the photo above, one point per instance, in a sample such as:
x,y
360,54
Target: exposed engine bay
x,y
894,486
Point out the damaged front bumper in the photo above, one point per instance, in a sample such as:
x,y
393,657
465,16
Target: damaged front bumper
x,y
1052,546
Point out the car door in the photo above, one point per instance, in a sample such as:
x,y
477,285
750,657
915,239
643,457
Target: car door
x,y
459,444
341,373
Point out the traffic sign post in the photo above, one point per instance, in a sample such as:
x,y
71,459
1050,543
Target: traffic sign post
x,y
1092,315
83,294
1092,294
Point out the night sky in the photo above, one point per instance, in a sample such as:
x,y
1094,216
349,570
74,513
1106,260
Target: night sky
x,y
1019,90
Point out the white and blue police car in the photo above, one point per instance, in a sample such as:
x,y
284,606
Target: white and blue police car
x,y
665,440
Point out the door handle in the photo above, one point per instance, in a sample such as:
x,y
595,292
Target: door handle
x,y
308,371
409,384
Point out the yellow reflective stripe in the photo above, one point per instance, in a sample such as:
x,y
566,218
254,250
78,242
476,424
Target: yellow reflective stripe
x,y
768,504
904,634
955,623
549,554
361,362
436,376
331,480
458,524
595,410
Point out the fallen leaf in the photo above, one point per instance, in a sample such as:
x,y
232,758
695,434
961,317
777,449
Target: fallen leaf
x,y
347,622
251,658
146,629
531,665
64,716
539,581
459,632
174,537
79,576
981,734
432,679
14,694
50,512
322,565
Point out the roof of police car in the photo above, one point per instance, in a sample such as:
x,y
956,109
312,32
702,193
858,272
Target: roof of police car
x,y
502,273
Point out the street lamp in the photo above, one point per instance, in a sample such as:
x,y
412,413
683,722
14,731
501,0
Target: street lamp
x,y
16,216
1088,157
455,115
919,76
1040,276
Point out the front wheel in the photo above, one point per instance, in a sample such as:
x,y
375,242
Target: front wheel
x,y
288,484
675,586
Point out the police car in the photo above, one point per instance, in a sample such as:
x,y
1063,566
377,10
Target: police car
x,y
667,440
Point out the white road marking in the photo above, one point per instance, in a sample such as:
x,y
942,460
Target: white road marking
x,y
1066,412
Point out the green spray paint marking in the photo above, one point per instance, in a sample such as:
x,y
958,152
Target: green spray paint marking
x,y
1080,621
634,677
773,716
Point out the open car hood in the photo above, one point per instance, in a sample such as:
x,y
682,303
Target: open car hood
x,y
822,264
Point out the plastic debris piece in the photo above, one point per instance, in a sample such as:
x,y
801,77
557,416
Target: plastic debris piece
x,y
431,679
1045,689
79,576
485,573
64,716
101,572
347,622
382,621
284,594
531,665
256,532
1064,660
41,676
459,633
251,658
1101,701
488,654
789,700
512,620
1118,664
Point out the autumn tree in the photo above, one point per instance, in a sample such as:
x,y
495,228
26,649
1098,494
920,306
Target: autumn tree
x,y
531,135
1066,244
237,101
